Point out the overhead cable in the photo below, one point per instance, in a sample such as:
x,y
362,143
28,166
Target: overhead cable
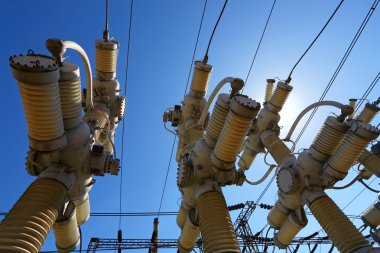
x,y
342,62
123,128
205,58
312,43
261,38
195,47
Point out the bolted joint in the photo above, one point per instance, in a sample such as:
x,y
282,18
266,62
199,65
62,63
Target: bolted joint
x,y
236,85
56,48
101,162
185,172
287,180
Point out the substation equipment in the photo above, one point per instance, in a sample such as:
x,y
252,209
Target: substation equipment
x,y
207,155
67,147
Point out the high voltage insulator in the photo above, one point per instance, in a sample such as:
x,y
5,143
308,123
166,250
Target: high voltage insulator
x,y
66,148
265,206
236,207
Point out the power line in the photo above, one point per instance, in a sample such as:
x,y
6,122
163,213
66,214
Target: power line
x,y
123,128
368,91
205,58
289,78
342,62
312,43
261,38
167,173
196,45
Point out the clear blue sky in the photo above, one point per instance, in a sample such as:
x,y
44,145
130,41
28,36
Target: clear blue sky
x,y
162,42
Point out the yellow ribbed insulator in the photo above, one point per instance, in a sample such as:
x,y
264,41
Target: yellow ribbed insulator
x,y
368,113
42,110
188,236
218,116
66,230
269,90
371,216
83,210
338,227
215,222
247,158
70,93
182,216
351,147
275,146
277,215
25,227
289,229
280,95
242,111
201,78
370,162
37,77
106,56
328,138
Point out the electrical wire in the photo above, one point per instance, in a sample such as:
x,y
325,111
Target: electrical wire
x,y
367,92
312,43
261,38
123,128
349,203
166,177
205,58
81,239
340,65
195,47
106,35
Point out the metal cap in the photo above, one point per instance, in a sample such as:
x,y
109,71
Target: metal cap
x,y
34,68
110,45
68,71
202,66
245,106
223,100
366,131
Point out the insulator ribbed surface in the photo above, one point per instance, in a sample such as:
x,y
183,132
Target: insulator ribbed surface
x,y
288,231
247,159
218,116
276,216
347,152
71,97
25,227
106,60
372,216
327,139
233,133
182,216
42,110
338,227
268,91
276,147
83,211
367,114
67,234
279,96
215,222
201,78
189,235
370,161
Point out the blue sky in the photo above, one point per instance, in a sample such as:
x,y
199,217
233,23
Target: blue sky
x,y
162,43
